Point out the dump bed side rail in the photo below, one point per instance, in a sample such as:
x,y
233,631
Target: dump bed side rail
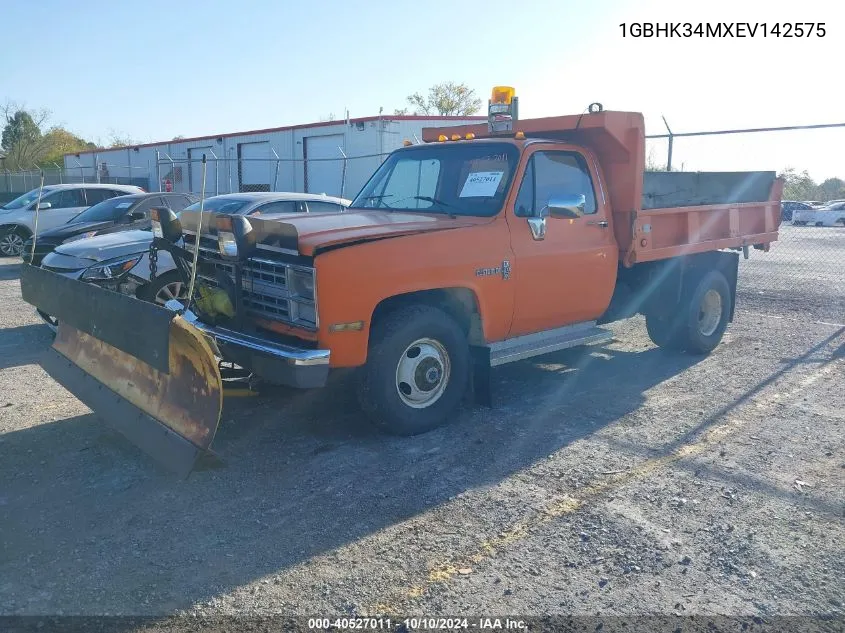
x,y
662,233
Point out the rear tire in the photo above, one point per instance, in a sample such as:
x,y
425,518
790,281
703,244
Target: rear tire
x,y
417,371
663,331
704,313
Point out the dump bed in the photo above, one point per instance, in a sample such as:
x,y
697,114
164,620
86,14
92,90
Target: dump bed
x,y
657,214
692,212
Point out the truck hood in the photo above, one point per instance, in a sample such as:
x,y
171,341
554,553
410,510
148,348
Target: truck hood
x,y
108,246
307,233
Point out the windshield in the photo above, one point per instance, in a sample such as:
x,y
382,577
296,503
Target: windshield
x,y
106,210
25,200
220,205
455,179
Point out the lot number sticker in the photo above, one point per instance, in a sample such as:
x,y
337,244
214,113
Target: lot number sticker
x,y
481,184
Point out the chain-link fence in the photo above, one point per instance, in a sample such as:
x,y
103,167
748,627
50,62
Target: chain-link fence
x,y
15,183
342,176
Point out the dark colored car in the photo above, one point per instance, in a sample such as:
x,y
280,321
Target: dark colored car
x,y
788,206
110,216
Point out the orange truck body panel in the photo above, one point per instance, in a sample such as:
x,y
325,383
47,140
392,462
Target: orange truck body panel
x,y
566,278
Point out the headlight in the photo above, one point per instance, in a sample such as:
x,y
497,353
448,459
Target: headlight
x,y
301,283
111,269
81,236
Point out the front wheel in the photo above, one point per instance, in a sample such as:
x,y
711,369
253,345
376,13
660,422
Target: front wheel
x,y
164,288
11,243
417,371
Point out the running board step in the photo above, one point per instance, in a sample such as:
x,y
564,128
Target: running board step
x,y
530,345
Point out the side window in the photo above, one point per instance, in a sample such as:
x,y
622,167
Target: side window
x,y
95,196
67,198
317,206
177,203
525,198
552,174
148,204
280,206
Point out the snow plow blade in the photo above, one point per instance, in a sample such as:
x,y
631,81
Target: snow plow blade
x,y
141,368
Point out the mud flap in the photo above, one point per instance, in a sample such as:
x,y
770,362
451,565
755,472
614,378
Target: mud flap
x,y
141,368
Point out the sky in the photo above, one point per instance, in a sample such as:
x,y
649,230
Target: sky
x,y
152,69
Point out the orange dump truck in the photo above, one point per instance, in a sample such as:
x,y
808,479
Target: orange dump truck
x,y
483,245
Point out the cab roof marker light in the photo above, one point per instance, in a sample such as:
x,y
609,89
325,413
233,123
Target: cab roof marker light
x,y
456,137
442,138
469,136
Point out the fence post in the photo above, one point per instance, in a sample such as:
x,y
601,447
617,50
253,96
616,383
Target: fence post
x,y
671,143
97,166
276,175
343,172
158,169
60,170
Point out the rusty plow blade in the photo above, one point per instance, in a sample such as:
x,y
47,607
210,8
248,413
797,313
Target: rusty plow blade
x,y
142,368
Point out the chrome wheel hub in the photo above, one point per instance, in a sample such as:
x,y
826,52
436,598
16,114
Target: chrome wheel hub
x,y
710,313
422,373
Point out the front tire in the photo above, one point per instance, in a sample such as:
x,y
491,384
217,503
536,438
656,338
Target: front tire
x,y
11,243
165,287
417,371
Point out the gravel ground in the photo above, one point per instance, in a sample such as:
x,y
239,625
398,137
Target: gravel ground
x,y
617,480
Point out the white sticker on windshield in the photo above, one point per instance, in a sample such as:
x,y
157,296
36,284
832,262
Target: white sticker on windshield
x,y
124,205
480,184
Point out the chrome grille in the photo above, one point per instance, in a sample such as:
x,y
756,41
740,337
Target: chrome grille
x,y
264,283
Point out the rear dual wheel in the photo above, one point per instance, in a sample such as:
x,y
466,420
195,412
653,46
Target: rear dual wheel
x,y
701,318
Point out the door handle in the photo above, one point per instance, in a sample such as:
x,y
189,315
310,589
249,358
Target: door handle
x,y
599,223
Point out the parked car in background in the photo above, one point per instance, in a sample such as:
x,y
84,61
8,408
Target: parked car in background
x,y
814,203
59,203
120,261
787,207
829,215
121,213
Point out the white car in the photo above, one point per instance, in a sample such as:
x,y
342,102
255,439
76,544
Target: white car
x,y
59,203
830,215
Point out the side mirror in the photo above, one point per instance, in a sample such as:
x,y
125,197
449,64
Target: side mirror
x,y
135,216
236,238
43,206
567,207
165,224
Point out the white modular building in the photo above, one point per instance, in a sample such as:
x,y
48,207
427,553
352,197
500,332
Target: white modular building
x,y
331,157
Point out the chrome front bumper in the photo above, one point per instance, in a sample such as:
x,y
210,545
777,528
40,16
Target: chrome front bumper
x,y
274,362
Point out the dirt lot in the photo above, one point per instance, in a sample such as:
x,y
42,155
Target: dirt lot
x,y
616,480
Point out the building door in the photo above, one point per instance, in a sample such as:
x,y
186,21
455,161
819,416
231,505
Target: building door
x,y
254,166
212,186
323,176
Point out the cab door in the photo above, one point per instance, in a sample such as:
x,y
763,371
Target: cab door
x,y
564,267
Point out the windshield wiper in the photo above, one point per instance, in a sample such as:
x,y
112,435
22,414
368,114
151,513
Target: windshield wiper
x,y
445,205
380,198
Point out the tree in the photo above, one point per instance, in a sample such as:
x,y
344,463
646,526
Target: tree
x,y
447,98
832,189
178,137
22,139
58,142
798,186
